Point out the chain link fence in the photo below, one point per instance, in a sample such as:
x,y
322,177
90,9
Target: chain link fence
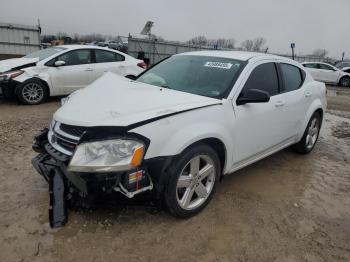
x,y
154,50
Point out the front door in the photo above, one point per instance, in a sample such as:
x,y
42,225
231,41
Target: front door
x,y
260,126
75,73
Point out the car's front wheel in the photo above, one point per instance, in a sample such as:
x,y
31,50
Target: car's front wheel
x,y
192,181
309,139
32,92
345,81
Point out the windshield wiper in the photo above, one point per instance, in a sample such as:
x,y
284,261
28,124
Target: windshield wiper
x,y
165,86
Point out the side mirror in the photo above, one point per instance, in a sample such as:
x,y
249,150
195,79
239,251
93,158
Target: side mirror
x,y
253,96
59,63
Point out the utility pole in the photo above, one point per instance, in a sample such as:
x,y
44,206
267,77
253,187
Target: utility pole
x,y
342,57
292,45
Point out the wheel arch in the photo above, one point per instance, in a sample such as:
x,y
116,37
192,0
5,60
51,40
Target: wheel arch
x,y
217,145
315,107
36,79
320,112
45,84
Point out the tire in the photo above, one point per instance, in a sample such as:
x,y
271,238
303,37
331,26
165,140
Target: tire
x,y
188,195
32,92
310,137
344,81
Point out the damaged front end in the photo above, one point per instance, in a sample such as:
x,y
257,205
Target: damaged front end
x,y
77,163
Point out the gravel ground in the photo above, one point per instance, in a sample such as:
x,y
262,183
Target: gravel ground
x,y
286,207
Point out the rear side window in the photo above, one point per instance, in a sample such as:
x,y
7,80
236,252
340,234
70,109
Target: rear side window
x,y
103,56
326,67
292,77
263,77
310,65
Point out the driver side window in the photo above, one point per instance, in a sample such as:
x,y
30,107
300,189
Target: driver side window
x,y
263,77
76,57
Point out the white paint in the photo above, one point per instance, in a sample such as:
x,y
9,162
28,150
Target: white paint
x,y
249,132
332,75
64,80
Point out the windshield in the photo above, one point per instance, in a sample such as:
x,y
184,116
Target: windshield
x,y
45,53
201,75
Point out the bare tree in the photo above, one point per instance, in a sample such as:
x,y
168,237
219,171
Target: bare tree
x,y
61,35
256,44
320,52
259,44
225,42
247,45
198,40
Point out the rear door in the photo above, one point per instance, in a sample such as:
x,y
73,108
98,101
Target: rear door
x,y
298,97
75,74
313,68
260,126
329,74
108,61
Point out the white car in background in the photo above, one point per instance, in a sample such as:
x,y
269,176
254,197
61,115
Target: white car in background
x,y
344,66
62,70
327,73
178,128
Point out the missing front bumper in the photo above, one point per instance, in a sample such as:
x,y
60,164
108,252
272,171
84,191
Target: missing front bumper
x,y
64,185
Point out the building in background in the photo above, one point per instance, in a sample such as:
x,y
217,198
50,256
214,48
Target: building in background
x,y
18,40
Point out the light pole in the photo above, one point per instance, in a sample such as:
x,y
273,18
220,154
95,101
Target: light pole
x,y
292,45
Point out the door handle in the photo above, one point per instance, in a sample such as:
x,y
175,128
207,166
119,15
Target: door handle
x,y
308,94
89,69
279,103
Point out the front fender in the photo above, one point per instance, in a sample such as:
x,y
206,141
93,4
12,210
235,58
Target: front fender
x,y
34,72
171,136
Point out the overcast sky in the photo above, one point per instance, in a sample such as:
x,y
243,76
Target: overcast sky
x,y
310,24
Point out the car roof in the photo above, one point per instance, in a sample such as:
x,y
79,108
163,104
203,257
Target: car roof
x,y
72,47
317,63
238,55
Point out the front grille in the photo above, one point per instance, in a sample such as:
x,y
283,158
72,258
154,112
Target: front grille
x,y
55,153
73,130
65,138
66,144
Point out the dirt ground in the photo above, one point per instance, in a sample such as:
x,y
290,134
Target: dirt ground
x,y
287,207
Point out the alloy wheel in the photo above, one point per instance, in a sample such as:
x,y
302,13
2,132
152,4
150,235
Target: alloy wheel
x,y
32,93
195,182
312,133
345,82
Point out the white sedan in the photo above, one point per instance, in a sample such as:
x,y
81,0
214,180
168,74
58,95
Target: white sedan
x,y
328,74
61,70
178,128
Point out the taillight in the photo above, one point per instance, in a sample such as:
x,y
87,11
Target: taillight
x,y
142,65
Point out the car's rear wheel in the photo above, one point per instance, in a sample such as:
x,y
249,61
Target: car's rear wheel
x,y
344,81
309,139
32,92
192,181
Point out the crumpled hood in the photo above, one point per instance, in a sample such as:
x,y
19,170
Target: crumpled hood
x,y
113,100
8,64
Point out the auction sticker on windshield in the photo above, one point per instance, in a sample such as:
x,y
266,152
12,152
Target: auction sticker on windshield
x,y
218,65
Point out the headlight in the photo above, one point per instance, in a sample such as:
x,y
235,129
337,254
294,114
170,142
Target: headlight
x,y
107,156
10,75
